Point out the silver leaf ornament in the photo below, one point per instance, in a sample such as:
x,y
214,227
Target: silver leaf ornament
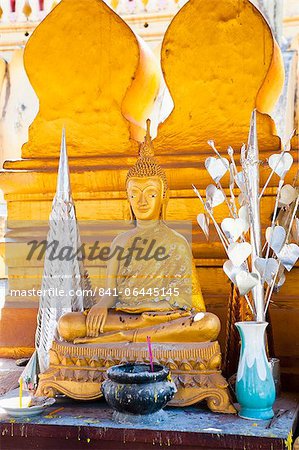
x,y
239,252
233,228
289,255
281,164
203,222
267,268
214,196
246,281
276,238
217,167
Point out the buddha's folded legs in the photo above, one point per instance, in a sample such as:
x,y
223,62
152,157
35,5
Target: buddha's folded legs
x,y
73,325
124,327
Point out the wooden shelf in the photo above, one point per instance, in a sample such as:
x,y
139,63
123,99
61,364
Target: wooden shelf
x,y
90,425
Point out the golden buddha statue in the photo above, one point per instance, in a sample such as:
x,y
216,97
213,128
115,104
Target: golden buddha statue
x,y
152,289
157,296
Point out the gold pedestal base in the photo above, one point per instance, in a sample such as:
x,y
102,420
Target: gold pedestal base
x,y
79,370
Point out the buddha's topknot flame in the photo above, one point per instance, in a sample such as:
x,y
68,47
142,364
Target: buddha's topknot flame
x,y
146,164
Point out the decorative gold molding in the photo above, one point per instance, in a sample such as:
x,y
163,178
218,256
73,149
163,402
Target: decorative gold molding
x,y
78,371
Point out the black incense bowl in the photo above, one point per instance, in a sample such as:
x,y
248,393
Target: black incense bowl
x,y
135,389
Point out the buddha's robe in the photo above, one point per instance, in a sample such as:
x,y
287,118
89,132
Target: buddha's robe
x,y
143,283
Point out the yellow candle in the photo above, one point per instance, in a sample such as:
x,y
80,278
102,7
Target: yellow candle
x,y
21,391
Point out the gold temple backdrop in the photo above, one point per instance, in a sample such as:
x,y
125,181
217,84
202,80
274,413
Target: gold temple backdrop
x,y
98,176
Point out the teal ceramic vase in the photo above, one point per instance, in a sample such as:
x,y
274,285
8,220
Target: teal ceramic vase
x,y
255,388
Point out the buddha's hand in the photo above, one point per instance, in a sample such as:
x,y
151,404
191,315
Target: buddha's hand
x,y
96,319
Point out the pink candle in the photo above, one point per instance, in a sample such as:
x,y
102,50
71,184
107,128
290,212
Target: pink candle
x,y
150,352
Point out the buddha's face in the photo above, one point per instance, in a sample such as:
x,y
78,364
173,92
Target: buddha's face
x,y
146,197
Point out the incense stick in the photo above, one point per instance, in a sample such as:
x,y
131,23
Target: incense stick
x,y
150,352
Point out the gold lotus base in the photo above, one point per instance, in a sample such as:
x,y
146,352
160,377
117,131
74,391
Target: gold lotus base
x,y
79,370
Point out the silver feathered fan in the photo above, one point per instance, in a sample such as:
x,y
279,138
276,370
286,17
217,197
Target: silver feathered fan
x,y
63,272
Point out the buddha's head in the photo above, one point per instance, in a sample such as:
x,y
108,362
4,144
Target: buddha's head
x,y
147,184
